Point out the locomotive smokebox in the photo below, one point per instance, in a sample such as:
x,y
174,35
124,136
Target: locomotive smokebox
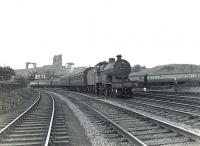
x,y
119,68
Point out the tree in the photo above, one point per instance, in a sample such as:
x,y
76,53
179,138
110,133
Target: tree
x,y
138,68
6,73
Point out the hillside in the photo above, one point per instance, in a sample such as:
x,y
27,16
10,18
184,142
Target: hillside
x,y
48,71
170,69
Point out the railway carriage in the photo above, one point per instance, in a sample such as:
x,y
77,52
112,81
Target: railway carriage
x,y
185,79
91,79
77,81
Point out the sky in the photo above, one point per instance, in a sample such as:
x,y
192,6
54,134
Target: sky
x,y
145,32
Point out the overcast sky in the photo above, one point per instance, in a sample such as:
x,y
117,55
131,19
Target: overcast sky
x,y
145,32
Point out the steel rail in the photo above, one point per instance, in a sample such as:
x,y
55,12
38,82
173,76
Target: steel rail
x,y
170,126
166,109
20,116
51,121
170,102
183,94
121,130
164,95
176,97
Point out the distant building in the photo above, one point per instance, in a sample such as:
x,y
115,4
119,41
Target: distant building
x,y
57,60
39,76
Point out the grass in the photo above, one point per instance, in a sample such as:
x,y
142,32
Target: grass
x,y
12,98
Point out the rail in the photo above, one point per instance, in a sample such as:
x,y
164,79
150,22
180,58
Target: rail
x,y
51,122
19,117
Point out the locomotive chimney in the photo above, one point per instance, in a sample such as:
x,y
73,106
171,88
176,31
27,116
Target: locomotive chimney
x,y
111,60
119,57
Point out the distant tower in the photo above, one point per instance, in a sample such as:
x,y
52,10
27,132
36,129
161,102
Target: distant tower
x,y
57,60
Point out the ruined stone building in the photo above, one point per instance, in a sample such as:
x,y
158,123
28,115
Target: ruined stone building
x,y
57,60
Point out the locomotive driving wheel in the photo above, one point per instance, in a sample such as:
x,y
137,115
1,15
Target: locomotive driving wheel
x,y
108,90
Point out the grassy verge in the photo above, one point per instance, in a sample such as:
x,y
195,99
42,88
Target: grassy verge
x,y
13,98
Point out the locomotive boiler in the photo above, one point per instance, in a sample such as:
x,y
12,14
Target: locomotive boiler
x,y
119,69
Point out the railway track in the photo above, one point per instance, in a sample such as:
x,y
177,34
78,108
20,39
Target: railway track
x,y
188,108
43,123
183,114
172,98
136,128
172,109
32,127
159,105
176,102
191,94
59,133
